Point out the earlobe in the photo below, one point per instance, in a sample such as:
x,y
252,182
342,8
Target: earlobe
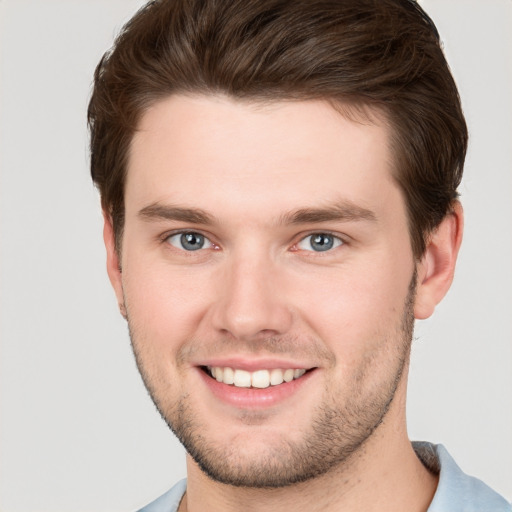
x,y
437,265
113,263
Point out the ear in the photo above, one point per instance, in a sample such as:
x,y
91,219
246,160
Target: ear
x,y
113,262
437,265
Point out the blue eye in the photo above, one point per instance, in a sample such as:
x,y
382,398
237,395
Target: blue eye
x,y
319,242
189,241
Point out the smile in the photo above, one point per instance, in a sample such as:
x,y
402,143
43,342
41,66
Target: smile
x,y
258,379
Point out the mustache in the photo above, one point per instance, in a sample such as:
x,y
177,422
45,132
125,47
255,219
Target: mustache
x,y
307,348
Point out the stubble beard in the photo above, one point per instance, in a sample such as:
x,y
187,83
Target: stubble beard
x,y
337,433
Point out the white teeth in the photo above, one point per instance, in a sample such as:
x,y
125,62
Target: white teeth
x,y
260,379
229,376
257,379
276,376
242,379
288,375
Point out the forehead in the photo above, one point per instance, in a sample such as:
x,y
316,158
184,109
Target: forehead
x,y
224,153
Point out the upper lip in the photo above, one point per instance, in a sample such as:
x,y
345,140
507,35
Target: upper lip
x,y
252,364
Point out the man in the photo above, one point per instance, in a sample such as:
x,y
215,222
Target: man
x,y
279,186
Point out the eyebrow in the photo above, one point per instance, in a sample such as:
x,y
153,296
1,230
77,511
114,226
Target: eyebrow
x,y
158,211
340,211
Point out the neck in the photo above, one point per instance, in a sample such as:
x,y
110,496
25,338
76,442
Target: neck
x,y
384,474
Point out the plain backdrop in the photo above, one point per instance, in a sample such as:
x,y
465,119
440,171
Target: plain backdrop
x,y
77,430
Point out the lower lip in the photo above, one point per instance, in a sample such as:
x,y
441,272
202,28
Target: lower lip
x,y
254,398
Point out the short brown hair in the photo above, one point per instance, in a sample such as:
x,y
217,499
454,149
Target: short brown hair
x,y
378,53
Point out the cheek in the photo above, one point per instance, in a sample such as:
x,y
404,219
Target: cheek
x,y
164,302
354,308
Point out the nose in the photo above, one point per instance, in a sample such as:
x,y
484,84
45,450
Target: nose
x,y
251,301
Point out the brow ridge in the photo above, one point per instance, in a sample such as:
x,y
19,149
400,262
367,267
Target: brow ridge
x,y
343,211
158,211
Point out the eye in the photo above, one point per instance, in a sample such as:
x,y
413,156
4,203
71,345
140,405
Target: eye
x,y
319,242
190,241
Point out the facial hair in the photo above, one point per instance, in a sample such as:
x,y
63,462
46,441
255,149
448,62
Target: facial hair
x,y
338,430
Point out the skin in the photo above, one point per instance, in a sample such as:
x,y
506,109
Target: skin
x,y
258,292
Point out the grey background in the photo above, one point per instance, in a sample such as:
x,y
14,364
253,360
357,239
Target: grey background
x,y
77,431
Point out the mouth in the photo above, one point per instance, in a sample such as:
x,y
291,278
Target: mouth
x,y
259,379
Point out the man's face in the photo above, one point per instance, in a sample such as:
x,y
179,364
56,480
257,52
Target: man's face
x,y
262,242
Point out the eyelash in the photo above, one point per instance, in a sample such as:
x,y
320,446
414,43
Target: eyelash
x,y
337,241
168,236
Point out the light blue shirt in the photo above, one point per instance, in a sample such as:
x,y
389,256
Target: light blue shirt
x,y
456,491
